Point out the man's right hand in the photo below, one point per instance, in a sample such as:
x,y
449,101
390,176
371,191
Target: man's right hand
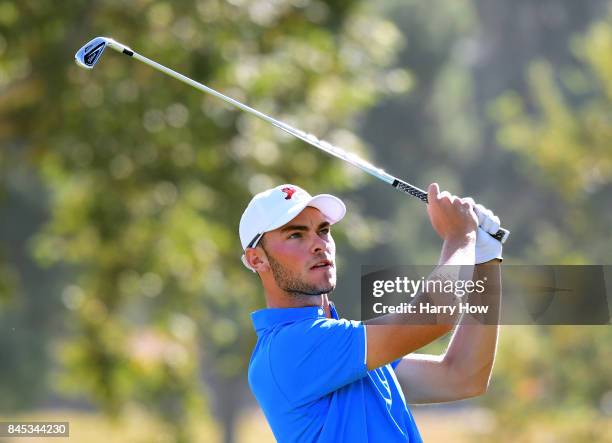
x,y
450,216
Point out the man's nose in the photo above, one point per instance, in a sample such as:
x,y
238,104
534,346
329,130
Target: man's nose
x,y
319,244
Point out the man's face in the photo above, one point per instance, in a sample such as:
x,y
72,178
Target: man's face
x,y
302,254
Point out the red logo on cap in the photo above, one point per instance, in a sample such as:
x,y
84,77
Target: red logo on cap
x,y
289,191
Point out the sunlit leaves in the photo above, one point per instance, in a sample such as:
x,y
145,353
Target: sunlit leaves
x,y
567,143
147,177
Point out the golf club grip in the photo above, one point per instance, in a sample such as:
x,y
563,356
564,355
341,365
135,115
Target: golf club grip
x,y
501,235
409,189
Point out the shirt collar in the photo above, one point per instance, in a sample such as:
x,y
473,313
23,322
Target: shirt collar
x,y
269,317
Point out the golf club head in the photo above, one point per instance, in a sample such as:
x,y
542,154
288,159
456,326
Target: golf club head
x,y
89,54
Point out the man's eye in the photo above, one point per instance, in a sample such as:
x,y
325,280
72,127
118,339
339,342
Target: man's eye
x,y
325,231
295,235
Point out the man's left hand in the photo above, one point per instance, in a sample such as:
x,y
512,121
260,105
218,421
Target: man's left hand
x,y
487,248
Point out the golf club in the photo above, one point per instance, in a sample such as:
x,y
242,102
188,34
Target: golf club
x,y
89,54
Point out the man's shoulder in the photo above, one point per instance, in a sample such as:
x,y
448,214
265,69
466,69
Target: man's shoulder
x,y
307,359
292,338
310,328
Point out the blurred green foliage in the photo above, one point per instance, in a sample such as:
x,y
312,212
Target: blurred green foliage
x,y
517,154
550,383
559,379
133,184
562,135
147,178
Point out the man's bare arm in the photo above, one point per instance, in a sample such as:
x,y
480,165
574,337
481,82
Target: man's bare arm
x,y
392,336
464,370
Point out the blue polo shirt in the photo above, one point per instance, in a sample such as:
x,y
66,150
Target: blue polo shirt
x,y
309,375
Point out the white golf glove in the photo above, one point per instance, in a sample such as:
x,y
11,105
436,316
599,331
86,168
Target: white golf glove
x,y
487,248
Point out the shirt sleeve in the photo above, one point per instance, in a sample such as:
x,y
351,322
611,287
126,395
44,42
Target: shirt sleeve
x,y
314,358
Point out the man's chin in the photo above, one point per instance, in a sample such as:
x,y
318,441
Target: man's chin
x,y
326,289
322,289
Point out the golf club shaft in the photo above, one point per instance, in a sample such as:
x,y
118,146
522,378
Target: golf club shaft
x,y
501,234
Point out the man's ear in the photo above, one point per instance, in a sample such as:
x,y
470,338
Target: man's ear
x,y
257,259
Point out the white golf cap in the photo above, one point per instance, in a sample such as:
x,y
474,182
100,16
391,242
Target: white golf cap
x,y
275,207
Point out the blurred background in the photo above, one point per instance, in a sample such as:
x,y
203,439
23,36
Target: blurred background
x,y
124,307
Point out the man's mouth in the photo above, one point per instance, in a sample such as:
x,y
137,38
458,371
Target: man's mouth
x,y
323,264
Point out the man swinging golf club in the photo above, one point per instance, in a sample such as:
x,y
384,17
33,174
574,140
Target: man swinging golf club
x,y
319,378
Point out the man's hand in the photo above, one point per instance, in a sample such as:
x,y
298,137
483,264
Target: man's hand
x,y
487,248
450,216
392,336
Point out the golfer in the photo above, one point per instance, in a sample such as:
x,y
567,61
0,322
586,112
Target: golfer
x,y
320,378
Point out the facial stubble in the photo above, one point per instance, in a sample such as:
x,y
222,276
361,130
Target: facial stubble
x,y
290,283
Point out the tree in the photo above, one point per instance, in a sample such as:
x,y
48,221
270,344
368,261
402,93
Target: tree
x,y
147,178
547,382
564,141
558,377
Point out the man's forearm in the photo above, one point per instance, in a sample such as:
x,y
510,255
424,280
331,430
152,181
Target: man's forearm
x,y
459,250
456,263
471,351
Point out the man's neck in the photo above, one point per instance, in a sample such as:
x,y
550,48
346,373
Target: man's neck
x,y
291,301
